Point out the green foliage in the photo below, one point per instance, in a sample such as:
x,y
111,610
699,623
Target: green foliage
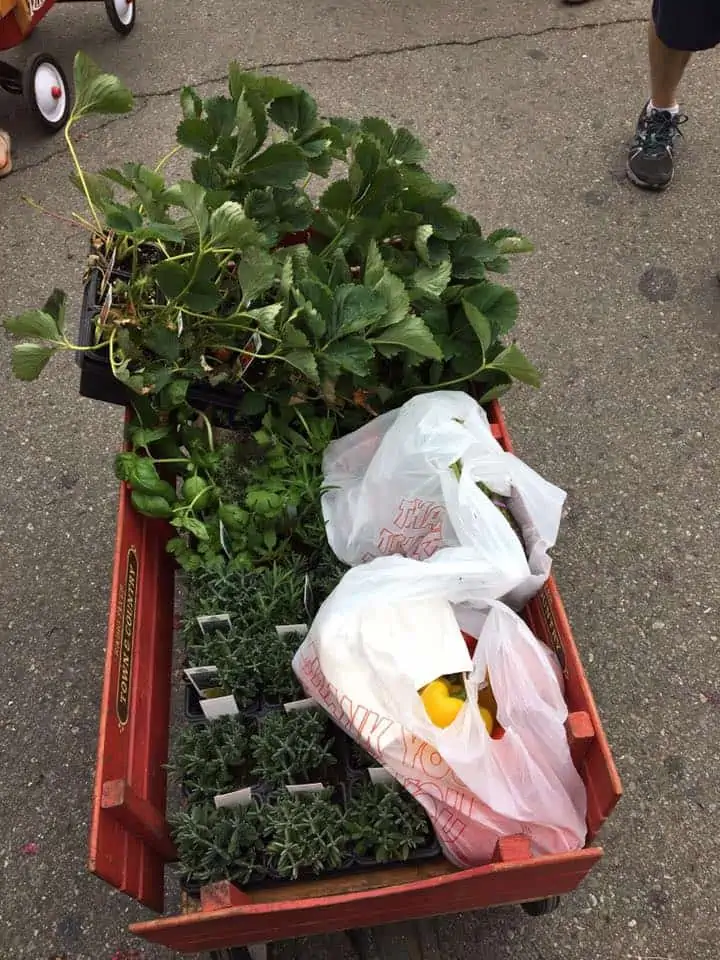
x,y
385,822
291,747
208,757
303,832
215,845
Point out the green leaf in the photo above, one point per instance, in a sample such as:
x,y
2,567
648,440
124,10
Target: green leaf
x,y
295,114
513,362
304,361
397,300
494,393
509,241
479,323
230,227
30,359
174,394
374,266
98,92
195,133
356,308
364,166
352,354
411,334
252,405
266,316
56,305
221,114
162,341
191,196
193,526
279,165
406,148
122,219
267,88
98,188
422,235
256,273
432,281
249,137
499,304
34,323
144,436
337,198
172,278
202,297
190,103
423,185
151,505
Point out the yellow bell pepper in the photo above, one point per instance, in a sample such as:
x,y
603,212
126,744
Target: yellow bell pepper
x,y
441,706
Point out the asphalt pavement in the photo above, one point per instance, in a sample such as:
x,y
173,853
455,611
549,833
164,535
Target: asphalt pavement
x,y
527,106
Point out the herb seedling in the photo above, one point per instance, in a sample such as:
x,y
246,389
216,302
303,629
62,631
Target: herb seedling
x,y
385,822
304,832
292,747
208,757
218,844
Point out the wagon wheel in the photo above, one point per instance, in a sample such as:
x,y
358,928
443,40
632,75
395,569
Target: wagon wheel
x,y
46,89
539,908
121,14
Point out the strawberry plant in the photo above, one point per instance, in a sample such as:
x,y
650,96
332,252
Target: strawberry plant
x,y
218,844
207,758
385,822
292,747
303,833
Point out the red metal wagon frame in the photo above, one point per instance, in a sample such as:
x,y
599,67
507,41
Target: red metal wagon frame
x,y
130,843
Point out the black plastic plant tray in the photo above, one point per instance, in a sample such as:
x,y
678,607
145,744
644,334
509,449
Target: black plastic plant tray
x,y
97,381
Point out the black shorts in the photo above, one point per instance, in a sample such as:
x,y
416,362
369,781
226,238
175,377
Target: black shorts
x,y
687,24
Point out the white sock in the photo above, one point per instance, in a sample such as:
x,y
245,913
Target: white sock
x,y
671,110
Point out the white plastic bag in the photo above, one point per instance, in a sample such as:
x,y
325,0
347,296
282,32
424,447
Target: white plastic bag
x,y
390,627
391,489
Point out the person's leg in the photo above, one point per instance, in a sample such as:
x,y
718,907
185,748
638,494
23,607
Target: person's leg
x,y
5,156
678,28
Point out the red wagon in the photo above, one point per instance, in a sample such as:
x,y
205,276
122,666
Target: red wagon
x,y
43,82
130,843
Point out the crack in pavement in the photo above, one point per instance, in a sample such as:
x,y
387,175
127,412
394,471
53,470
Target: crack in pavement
x,y
142,99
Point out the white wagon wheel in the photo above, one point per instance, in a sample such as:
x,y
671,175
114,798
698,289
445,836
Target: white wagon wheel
x,y
121,14
46,89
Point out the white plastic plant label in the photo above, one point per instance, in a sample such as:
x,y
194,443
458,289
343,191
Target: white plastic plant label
x,y
236,798
206,680
305,787
215,707
296,629
251,348
297,706
108,271
211,622
180,323
380,775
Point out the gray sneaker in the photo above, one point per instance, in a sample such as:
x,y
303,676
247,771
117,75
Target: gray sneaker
x,y
650,162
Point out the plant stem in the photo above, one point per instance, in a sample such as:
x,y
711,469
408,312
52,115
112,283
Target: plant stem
x,y
56,216
208,427
448,383
80,173
168,156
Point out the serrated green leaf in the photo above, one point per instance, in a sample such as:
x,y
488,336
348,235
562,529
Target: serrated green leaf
x,y
246,131
256,272
432,281
30,359
406,148
374,265
191,197
410,334
230,227
162,341
296,114
202,297
352,354
98,92
480,324
509,241
364,166
423,186
265,317
172,278
197,134
422,235
397,300
304,361
220,112
356,308
34,323
56,306
279,165
268,88
337,198
499,304
190,103
494,393
122,219
513,362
